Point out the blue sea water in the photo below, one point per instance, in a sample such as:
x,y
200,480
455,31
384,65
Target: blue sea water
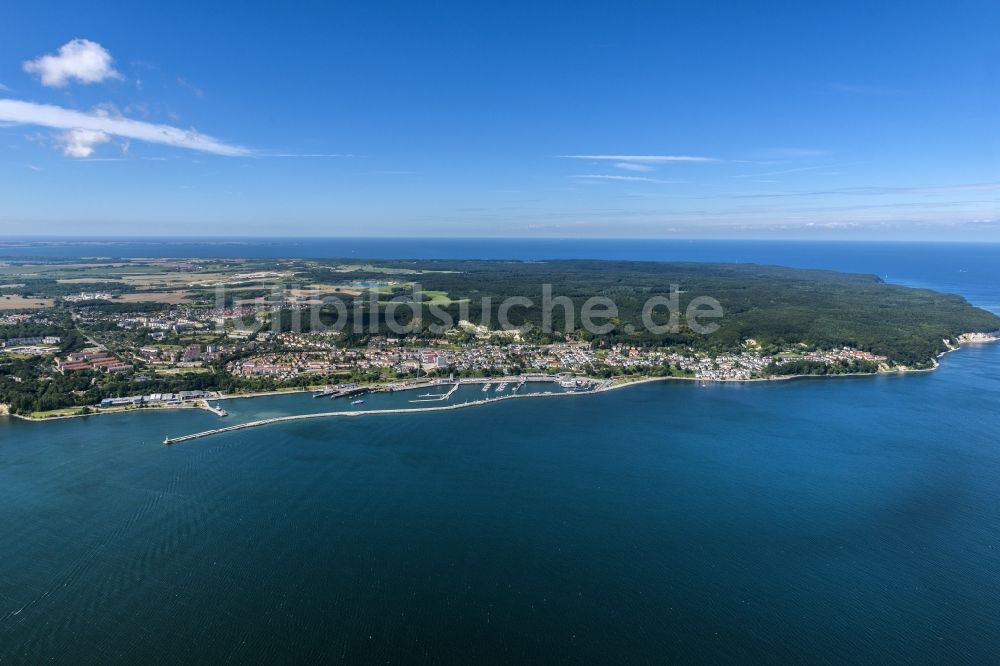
x,y
826,520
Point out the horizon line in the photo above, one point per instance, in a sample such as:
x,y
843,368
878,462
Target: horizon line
x,y
235,239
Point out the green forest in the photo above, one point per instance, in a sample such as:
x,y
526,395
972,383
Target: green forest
x,y
773,305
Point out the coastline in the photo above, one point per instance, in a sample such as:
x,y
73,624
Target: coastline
x,y
607,385
603,386
97,411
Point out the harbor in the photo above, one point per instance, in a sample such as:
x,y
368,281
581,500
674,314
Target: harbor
x,y
453,388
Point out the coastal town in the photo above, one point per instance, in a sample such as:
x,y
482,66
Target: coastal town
x,y
176,341
170,333
194,342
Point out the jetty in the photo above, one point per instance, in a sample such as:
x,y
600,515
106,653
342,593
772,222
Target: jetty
x,y
367,412
215,409
432,397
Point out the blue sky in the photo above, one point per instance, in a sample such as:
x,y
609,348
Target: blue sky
x,y
797,120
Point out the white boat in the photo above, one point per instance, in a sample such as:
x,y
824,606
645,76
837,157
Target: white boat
x,y
486,387
357,402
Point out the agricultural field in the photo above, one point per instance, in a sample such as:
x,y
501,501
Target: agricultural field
x,y
11,302
169,297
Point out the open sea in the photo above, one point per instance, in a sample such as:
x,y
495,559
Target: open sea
x,y
818,520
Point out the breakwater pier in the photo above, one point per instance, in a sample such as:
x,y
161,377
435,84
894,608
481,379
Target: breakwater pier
x,y
364,412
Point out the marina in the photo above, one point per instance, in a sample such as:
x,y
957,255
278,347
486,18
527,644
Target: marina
x,y
372,412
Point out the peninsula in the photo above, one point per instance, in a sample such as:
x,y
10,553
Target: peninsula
x,y
81,335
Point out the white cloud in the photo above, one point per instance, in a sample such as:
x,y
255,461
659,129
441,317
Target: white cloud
x,y
639,179
642,159
312,155
81,142
782,171
193,89
56,117
107,110
874,190
81,59
790,153
631,166
968,187
4,88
